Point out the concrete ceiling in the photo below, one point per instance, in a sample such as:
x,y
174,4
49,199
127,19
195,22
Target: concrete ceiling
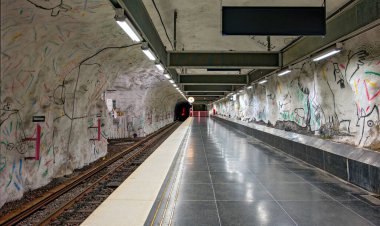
x,y
199,23
199,29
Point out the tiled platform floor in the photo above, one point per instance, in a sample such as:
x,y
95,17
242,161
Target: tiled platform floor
x,y
232,179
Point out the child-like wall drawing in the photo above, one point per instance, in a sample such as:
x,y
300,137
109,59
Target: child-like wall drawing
x,y
337,98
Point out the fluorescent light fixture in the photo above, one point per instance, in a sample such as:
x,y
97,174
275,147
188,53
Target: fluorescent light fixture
x,y
333,52
129,29
284,72
171,81
148,52
126,25
177,88
240,91
328,52
263,81
175,85
166,74
249,87
160,67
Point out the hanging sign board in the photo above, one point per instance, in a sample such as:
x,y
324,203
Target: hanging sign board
x,y
272,21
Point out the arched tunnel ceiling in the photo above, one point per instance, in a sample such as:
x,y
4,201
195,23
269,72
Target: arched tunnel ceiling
x,y
199,23
58,58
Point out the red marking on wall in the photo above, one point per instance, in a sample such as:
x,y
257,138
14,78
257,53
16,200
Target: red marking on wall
x,y
22,83
13,86
47,125
46,88
16,131
17,64
378,63
367,109
98,127
367,93
6,69
37,139
47,163
150,114
60,38
342,66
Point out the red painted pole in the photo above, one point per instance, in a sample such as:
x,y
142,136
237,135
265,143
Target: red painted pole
x,y
98,129
38,142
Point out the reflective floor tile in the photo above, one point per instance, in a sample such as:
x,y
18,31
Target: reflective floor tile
x,y
233,177
313,175
241,192
191,213
270,176
326,213
196,166
263,213
196,177
295,192
370,212
200,192
339,191
228,167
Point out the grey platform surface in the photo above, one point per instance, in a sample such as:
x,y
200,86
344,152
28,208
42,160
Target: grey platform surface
x,y
356,165
229,178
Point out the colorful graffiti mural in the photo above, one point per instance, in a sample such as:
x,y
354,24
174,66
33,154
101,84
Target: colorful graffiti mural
x,y
336,99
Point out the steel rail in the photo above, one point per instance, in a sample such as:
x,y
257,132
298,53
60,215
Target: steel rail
x,y
25,211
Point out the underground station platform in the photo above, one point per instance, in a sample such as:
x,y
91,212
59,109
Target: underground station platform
x,y
219,175
190,112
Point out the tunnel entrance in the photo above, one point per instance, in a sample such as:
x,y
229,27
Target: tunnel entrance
x,y
199,107
182,111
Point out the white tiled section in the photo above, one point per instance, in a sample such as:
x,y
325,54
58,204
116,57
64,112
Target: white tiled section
x,y
132,201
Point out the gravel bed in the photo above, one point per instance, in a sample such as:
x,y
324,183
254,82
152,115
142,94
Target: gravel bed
x,y
33,194
99,194
39,215
89,201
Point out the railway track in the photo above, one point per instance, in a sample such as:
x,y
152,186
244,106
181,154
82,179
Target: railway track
x,y
71,202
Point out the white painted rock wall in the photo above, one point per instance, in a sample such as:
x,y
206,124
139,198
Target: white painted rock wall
x,y
57,59
147,101
337,98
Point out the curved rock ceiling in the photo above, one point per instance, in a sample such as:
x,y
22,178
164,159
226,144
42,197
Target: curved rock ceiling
x,y
58,58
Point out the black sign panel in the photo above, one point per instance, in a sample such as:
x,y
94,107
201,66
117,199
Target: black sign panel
x,y
273,21
39,118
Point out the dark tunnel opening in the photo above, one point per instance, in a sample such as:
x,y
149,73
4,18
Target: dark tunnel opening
x,y
182,111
